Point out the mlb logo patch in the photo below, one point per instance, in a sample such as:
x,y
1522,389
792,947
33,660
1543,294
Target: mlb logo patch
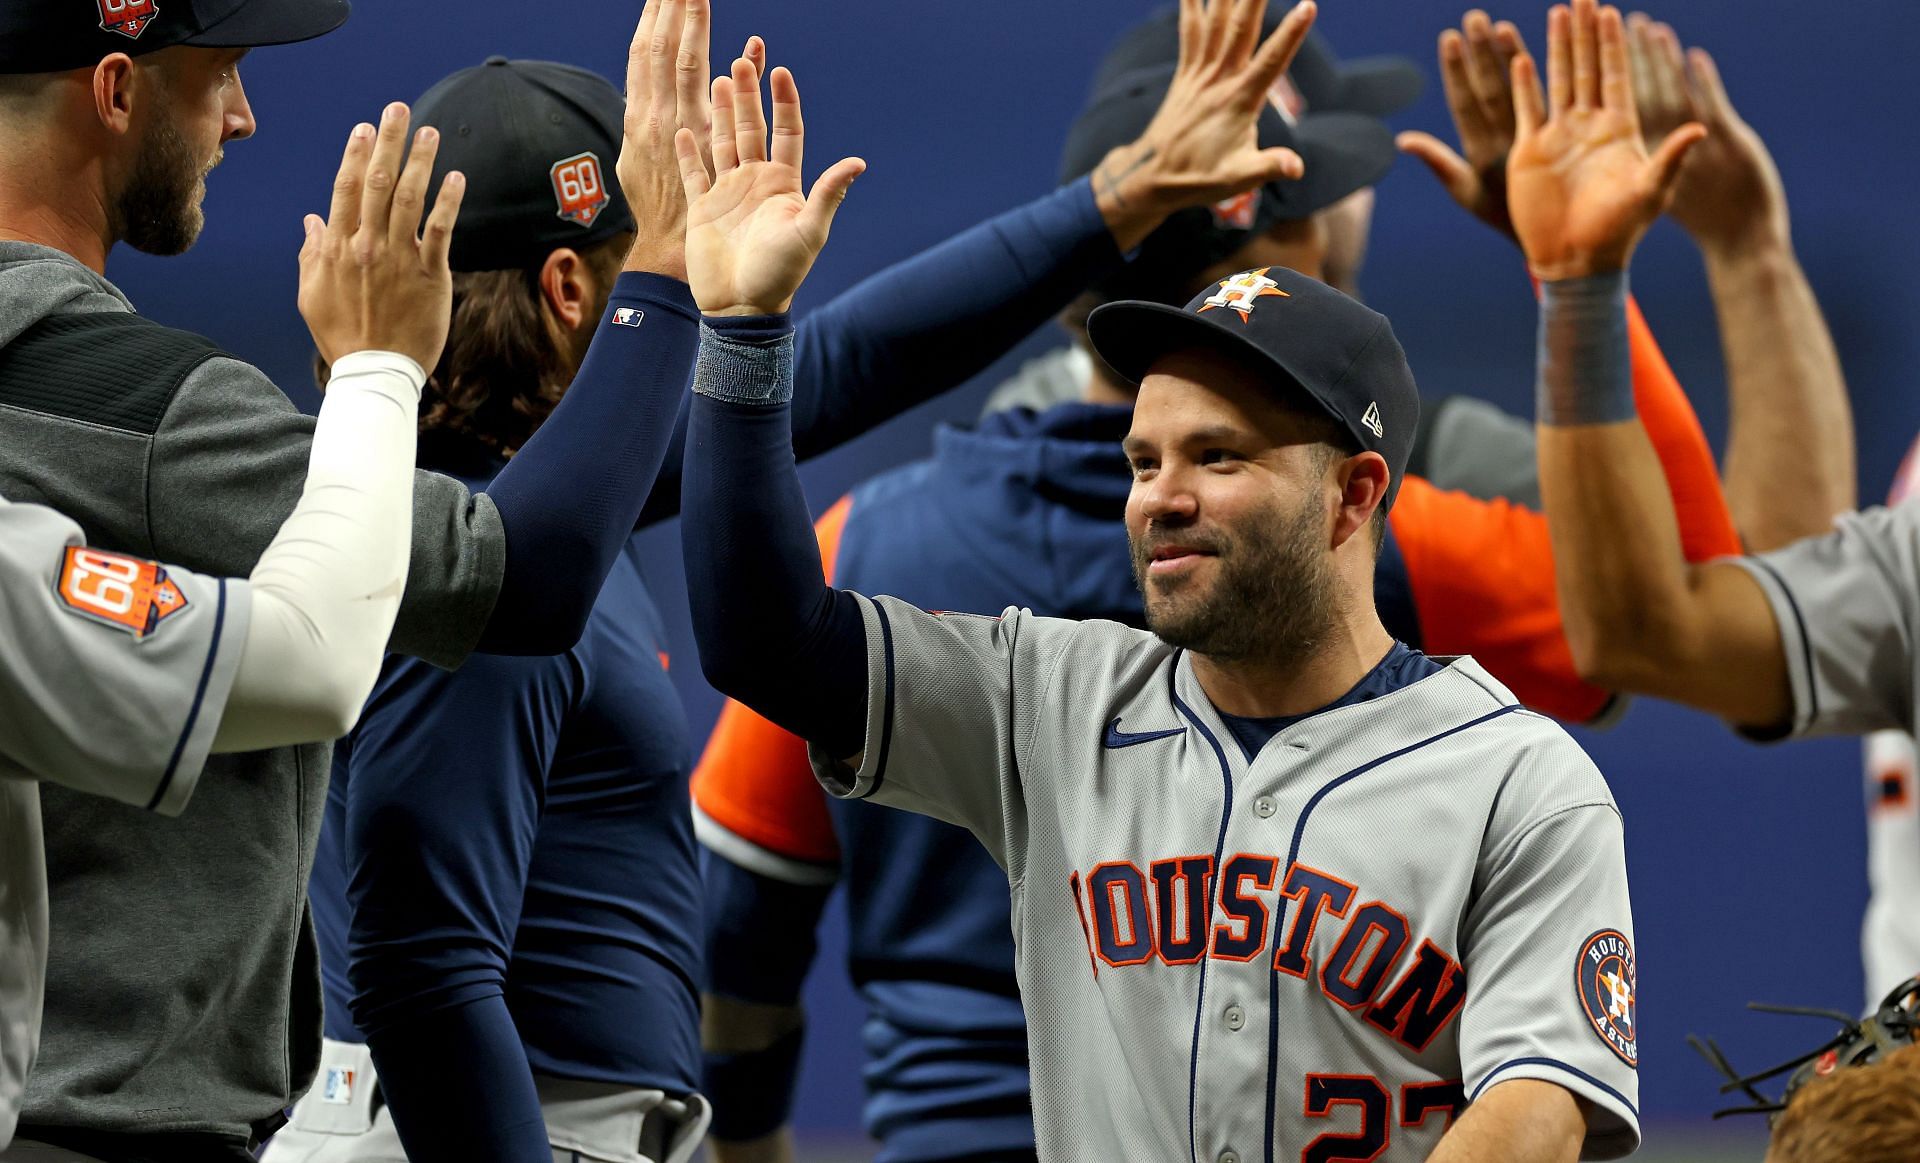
x,y
580,186
628,316
337,1086
129,18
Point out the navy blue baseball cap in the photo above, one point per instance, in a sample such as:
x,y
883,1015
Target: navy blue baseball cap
x,y
1377,86
1342,152
51,36
1312,342
538,142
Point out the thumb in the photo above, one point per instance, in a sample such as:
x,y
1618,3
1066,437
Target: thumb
x,y
1663,168
1278,164
1455,175
827,195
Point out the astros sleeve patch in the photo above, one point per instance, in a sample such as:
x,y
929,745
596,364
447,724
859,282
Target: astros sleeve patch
x,y
116,590
1607,983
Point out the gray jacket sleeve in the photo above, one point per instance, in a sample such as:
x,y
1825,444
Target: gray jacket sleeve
x,y
228,463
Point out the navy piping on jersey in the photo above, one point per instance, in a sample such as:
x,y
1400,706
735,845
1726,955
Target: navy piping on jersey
x,y
1219,848
199,697
1557,1065
886,717
1806,642
1293,853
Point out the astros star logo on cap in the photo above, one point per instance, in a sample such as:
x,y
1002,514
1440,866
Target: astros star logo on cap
x,y
1240,292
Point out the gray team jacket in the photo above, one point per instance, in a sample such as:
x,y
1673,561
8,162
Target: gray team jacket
x,y
183,988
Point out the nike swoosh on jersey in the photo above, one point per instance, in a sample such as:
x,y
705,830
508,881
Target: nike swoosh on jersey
x,y
1118,738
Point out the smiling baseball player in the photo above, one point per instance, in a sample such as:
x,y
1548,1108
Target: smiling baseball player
x,y
1282,887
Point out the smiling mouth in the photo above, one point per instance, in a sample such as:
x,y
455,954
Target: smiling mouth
x,y
1169,559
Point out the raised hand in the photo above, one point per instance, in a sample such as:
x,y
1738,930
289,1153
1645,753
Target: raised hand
x,y
369,279
1203,145
1729,195
752,236
1476,68
1581,186
666,90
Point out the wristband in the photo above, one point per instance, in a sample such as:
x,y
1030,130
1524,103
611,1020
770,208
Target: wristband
x,y
1585,363
746,360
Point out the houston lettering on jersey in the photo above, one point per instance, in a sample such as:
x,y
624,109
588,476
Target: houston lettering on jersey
x,y
1164,914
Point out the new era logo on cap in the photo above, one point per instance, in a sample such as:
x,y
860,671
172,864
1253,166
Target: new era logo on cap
x,y
129,18
581,188
1372,420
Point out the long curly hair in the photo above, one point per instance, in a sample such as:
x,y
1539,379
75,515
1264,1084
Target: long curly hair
x,y
501,373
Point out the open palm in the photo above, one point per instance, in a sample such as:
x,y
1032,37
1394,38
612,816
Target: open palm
x,y
1582,188
752,234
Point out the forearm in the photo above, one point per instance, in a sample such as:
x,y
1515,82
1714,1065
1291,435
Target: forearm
x,y
1521,1121
572,496
1622,576
326,590
771,633
459,1086
1707,528
1790,453
927,325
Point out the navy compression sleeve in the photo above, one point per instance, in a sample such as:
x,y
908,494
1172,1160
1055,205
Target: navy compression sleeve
x,y
444,795
772,633
435,1113
925,326
571,497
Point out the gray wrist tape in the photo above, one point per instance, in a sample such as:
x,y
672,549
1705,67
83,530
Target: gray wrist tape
x,y
1586,365
744,373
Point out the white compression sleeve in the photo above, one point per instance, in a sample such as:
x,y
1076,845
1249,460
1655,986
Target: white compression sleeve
x,y
326,591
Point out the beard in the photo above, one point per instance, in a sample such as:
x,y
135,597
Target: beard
x,y
158,212
1272,596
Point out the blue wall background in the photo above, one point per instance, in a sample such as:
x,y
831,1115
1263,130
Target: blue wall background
x,y
1748,863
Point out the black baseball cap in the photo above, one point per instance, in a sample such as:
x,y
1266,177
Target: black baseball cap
x,y
51,36
1377,86
538,142
1343,153
1312,340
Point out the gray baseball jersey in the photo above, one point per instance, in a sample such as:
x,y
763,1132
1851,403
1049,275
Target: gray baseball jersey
x,y
1847,604
113,673
1225,961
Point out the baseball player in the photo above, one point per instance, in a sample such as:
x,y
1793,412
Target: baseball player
x,y
470,927
931,948
1219,955
1867,1114
196,458
1809,639
119,676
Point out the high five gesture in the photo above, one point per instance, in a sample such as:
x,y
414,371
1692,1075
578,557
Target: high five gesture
x,y
1582,188
752,235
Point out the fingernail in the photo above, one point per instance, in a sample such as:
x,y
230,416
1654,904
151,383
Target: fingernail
x,y
394,111
457,180
362,131
427,136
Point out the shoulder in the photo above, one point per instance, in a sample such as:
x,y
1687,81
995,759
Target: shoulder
x,y
113,369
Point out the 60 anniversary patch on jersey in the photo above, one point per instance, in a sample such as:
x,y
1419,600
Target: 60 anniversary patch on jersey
x,y
1607,983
